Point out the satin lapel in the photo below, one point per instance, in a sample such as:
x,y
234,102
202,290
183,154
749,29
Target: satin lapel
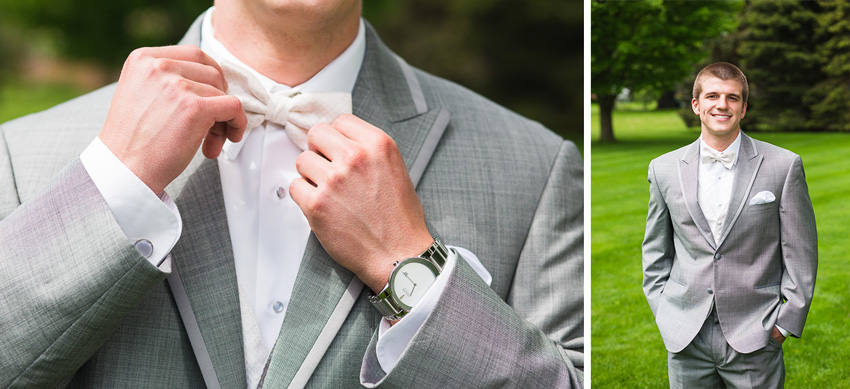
x,y
204,259
749,162
689,181
322,285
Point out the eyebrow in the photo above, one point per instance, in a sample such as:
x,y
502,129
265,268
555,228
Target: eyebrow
x,y
718,93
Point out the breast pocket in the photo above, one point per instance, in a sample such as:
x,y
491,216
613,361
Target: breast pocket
x,y
762,207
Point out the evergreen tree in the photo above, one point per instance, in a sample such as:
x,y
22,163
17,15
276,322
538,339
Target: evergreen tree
x,y
829,100
778,55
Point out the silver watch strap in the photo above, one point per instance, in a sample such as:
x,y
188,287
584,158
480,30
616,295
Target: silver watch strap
x,y
437,254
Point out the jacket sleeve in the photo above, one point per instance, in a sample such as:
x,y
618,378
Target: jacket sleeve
x,y
68,277
657,248
799,242
473,338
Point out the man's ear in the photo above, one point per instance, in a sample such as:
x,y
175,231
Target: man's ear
x,y
695,106
744,111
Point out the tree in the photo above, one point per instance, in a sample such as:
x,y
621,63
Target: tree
x,y
830,99
649,45
527,56
796,55
106,31
778,55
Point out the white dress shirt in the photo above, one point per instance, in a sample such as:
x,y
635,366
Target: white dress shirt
x,y
268,231
715,188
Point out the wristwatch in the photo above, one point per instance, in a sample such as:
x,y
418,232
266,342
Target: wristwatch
x,y
409,281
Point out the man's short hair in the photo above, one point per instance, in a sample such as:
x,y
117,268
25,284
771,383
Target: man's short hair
x,y
723,71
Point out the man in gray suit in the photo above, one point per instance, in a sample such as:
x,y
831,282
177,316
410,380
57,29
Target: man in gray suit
x,y
141,263
730,252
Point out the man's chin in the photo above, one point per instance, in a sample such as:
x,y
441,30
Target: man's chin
x,y
719,132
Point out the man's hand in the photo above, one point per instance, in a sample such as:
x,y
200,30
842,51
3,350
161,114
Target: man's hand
x,y
778,335
168,100
357,195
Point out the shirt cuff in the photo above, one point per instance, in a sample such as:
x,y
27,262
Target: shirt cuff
x,y
152,223
782,330
393,340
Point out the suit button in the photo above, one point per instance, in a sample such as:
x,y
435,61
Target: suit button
x,y
710,291
717,256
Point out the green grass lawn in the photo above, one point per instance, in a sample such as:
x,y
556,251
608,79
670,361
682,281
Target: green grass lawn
x,y
627,350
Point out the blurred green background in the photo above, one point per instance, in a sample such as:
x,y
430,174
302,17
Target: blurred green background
x,y
644,58
525,55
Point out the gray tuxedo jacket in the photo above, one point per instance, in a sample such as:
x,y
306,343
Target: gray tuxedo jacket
x,y
80,307
761,273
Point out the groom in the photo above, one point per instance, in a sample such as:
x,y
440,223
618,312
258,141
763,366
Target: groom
x,y
129,259
730,252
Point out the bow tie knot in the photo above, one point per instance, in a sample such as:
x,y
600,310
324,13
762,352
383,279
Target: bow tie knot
x,y
709,155
296,112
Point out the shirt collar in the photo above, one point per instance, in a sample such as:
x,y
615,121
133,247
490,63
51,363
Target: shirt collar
x,y
734,147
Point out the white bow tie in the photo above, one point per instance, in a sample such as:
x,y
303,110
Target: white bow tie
x,y
709,155
296,112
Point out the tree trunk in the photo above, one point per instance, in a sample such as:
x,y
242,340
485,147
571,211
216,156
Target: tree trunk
x,y
606,109
667,100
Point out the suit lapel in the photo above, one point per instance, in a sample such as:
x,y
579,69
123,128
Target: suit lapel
x,y
203,261
322,296
689,181
749,162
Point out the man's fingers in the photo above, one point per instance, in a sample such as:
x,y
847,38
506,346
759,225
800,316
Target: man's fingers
x,y
198,72
228,109
300,190
214,141
194,87
328,141
357,129
183,52
313,167
230,120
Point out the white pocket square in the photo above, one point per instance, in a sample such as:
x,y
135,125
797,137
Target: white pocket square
x,y
762,198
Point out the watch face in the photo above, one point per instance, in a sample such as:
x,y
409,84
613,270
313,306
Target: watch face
x,y
410,281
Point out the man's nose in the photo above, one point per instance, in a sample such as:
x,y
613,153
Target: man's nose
x,y
721,103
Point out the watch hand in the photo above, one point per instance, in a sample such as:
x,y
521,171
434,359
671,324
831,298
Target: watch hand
x,y
411,281
408,277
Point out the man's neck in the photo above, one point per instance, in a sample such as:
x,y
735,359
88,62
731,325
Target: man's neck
x,y
718,142
287,47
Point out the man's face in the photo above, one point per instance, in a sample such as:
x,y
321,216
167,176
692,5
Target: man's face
x,y
720,107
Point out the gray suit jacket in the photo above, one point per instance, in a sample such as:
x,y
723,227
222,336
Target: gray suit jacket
x,y
80,307
761,273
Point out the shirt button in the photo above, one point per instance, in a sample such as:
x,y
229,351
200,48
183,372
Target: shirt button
x,y
710,291
145,247
278,307
281,192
